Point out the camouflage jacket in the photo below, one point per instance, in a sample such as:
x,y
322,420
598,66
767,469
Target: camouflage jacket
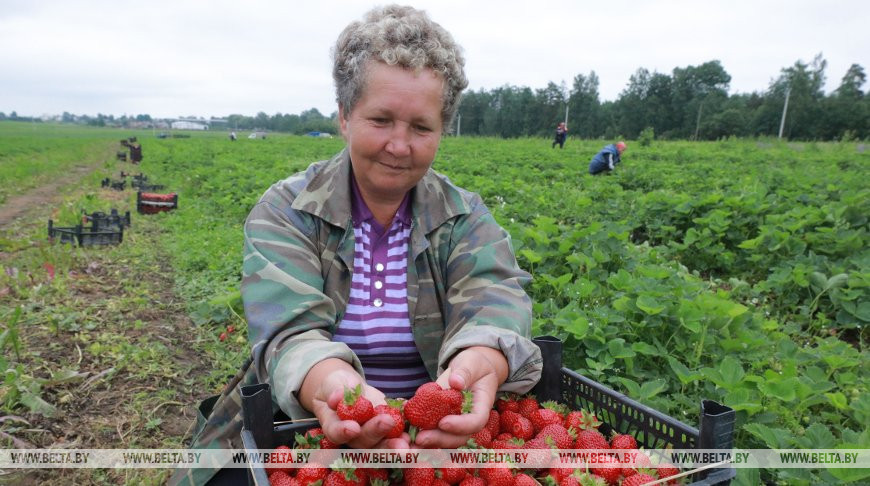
x,y
464,285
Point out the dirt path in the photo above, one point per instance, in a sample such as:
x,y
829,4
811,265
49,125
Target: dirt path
x,y
106,339
38,198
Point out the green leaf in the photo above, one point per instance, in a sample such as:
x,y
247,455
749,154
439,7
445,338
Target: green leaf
x,y
652,388
774,438
649,304
617,349
531,255
731,371
37,405
819,436
685,375
641,347
742,399
784,390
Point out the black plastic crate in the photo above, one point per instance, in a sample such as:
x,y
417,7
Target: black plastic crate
x,y
102,221
85,236
151,203
116,185
653,429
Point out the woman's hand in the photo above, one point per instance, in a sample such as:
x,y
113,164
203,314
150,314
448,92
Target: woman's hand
x,y
480,370
322,391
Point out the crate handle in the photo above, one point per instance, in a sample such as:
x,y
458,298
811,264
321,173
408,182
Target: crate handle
x,y
257,411
549,386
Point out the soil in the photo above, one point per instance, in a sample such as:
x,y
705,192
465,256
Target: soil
x,y
110,403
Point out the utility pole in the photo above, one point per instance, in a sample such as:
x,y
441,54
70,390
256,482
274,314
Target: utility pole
x,y
566,115
698,121
784,110
459,124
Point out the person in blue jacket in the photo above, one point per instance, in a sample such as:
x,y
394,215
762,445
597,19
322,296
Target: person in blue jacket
x,y
607,159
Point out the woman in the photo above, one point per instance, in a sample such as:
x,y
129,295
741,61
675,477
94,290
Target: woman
x,y
605,160
372,269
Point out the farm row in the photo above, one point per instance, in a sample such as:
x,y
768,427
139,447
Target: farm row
x,y
736,270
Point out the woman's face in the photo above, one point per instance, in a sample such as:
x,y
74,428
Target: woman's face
x,y
394,130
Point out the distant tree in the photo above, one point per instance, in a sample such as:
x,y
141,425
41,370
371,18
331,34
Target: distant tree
x,y
697,90
2,116
584,107
803,82
847,110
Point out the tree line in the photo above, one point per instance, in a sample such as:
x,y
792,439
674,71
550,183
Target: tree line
x,y
690,103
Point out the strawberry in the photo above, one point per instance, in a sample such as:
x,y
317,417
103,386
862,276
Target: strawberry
x,y
501,475
223,336
493,423
355,406
506,443
591,439
569,480
419,475
394,413
579,420
311,473
314,438
280,478
431,403
276,458
560,437
523,479
378,476
545,416
527,405
507,420
623,441
507,402
607,467
638,480
451,475
482,438
634,462
473,481
522,428
440,482
344,477
666,470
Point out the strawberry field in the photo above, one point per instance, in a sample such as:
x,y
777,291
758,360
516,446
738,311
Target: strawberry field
x,y
737,271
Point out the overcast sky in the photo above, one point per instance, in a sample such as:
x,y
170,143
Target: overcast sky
x,y
171,58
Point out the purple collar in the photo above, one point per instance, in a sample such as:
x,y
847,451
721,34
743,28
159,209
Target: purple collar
x,y
360,211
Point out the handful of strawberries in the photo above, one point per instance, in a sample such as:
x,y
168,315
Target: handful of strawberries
x,y
514,423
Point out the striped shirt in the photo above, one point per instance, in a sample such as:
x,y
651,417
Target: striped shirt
x,y
376,325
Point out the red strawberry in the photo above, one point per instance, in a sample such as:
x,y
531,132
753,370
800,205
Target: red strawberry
x,y
507,420
606,466
419,475
231,328
526,406
638,480
635,461
451,475
280,478
560,436
223,336
581,419
396,415
344,477
355,406
545,416
473,481
493,423
440,482
591,439
482,438
510,443
378,476
431,403
523,479
314,438
623,441
311,473
507,402
279,457
569,480
500,475
666,470
522,428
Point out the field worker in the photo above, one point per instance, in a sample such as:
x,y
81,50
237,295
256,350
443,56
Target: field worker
x,y
561,135
371,268
607,159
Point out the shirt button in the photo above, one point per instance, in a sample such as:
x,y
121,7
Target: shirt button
x,y
378,302
379,267
378,284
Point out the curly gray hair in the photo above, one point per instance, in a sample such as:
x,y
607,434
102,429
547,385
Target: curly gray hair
x,y
398,36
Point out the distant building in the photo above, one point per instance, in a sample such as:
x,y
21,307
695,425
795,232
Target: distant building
x,y
189,125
